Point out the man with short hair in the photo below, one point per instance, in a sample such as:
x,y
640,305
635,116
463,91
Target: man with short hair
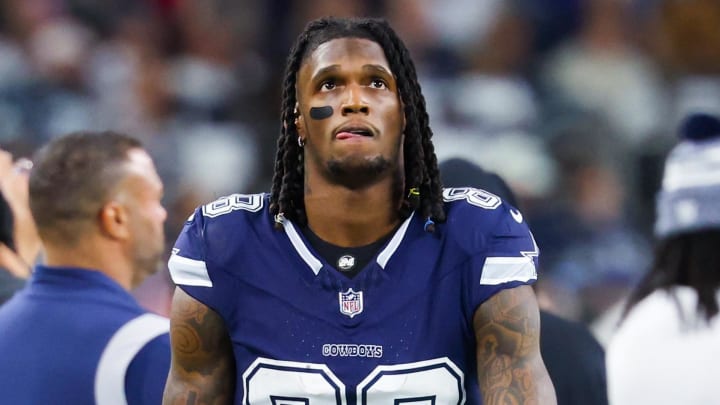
x,y
74,334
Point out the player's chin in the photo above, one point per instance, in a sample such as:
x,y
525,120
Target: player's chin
x,y
358,171
357,163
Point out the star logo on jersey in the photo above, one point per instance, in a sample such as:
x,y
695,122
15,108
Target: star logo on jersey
x,y
351,302
517,216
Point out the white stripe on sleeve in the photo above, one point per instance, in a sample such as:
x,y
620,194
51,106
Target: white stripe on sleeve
x,y
119,353
498,270
186,271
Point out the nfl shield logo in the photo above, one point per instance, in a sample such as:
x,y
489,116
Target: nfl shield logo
x,y
351,302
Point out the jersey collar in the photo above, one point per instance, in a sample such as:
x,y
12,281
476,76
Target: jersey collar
x,y
315,264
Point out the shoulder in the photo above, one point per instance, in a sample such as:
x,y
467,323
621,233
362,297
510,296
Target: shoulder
x,y
231,210
213,236
123,348
467,206
243,205
478,220
223,223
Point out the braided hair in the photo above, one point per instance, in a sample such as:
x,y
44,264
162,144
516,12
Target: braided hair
x,y
688,259
423,189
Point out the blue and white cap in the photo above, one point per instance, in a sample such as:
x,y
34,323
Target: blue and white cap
x,y
689,199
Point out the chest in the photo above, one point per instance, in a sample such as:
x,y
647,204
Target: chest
x,y
343,340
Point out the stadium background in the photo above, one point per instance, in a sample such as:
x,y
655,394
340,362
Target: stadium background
x,y
573,102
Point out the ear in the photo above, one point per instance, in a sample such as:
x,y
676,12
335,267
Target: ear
x,y
299,122
114,221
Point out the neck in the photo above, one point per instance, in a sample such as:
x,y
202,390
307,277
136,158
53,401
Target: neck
x,y
351,218
94,253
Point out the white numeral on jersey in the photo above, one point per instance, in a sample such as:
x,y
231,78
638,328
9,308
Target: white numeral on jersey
x,y
224,205
276,382
437,381
477,197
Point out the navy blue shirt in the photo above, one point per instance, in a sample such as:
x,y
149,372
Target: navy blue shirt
x,y
400,331
74,336
9,284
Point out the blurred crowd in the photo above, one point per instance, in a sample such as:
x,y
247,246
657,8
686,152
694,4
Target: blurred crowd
x,y
573,102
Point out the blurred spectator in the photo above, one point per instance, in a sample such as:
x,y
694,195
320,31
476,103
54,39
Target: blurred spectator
x,y
493,93
603,71
19,241
491,111
593,253
673,312
686,42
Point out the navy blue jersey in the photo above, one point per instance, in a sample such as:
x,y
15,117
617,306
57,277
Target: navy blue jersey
x,y
75,336
401,330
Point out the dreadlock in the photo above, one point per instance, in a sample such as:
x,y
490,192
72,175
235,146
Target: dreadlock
x,y
689,259
423,189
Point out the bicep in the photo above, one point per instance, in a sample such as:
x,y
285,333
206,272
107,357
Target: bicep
x,y
510,367
202,369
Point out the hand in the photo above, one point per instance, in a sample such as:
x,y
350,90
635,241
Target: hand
x,y
14,177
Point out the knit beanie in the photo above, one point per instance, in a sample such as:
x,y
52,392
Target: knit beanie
x,y
689,199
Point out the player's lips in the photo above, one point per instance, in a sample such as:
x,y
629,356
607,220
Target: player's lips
x,y
354,130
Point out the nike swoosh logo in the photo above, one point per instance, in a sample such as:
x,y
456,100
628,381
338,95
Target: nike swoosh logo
x,y
517,216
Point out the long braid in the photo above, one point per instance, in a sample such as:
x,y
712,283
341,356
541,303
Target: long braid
x,y
420,160
423,189
288,171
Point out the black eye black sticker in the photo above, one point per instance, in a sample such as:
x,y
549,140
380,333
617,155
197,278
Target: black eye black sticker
x,y
320,113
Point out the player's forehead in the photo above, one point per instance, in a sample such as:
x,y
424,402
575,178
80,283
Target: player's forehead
x,y
345,53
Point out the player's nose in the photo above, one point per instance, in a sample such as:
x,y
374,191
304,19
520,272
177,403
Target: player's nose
x,y
354,101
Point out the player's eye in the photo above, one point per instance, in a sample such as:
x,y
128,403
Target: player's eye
x,y
378,83
327,85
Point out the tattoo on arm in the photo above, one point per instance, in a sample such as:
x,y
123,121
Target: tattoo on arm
x,y
507,332
202,370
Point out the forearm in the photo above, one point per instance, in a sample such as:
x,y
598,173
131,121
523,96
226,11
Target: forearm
x,y
186,389
510,367
505,381
13,263
27,240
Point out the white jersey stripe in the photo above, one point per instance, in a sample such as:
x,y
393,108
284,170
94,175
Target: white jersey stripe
x,y
498,270
385,255
300,247
119,353
186,271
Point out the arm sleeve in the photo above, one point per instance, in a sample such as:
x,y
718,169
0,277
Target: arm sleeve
x,y
509,257
148,372
187,262
193,263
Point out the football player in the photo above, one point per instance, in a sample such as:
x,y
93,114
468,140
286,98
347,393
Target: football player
x,y
358,279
